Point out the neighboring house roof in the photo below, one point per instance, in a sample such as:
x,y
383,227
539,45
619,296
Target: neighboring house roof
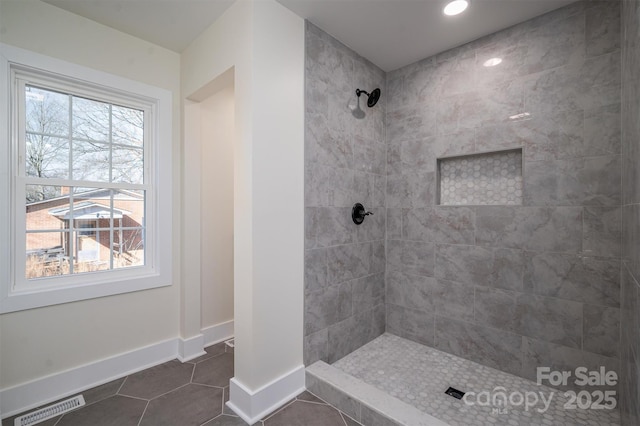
x,y
119,194
87,210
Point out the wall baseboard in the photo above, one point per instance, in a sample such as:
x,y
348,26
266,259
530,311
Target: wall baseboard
x,y
217,333
26,396
251,406
191,348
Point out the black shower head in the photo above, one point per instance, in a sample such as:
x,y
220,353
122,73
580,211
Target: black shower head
x,y
372,98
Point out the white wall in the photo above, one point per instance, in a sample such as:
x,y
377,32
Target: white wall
x,y
216,202
44,341
264,44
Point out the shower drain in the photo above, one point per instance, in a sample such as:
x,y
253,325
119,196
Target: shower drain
x,y
454,393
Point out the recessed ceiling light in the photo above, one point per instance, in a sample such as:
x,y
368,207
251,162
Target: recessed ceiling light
x,y
492,62
455,7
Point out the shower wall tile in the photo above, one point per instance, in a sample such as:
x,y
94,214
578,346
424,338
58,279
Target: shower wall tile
x,y
453,300
412,257
602,27
602,132
630,312
368,292
410,156
345,163
316,346
452,225
539,353
411,291
553,320
463,264
557,229
495,308
327,306
409,124
573,277
465,143
494,348
412,324
412,190
602,231
585,181
394,224
601,330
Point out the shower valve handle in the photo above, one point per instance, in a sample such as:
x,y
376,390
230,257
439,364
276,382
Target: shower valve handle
x,y
358,213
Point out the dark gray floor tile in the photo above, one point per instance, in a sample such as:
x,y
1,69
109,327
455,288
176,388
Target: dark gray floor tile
x,y
113,411
226,410
215,371
157,380
103,391
308,396
226,421
211,352
304,413
10,421
191,405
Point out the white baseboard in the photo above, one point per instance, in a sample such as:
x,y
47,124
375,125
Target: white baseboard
x,y
217,333
191,348
251,406
41,391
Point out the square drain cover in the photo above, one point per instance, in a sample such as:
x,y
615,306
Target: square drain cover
x,y
454,393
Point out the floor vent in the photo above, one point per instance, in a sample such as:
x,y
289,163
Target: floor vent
x,y
454,393
230,343
46,413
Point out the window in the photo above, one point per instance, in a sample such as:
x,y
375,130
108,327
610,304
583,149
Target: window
x,y
89,209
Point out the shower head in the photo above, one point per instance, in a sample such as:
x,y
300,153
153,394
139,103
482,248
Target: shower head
x,y
372,98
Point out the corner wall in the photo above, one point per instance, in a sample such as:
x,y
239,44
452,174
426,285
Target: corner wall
x,y
512,287
630,351
39,343
344,164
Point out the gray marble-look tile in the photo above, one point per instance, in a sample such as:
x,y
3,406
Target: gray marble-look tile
x,y
453,300
534,228
371,417
348,262
412,324
354,332
379,193
602,231
327,306
585,181
326,144
451,225
410,291
378,257
369,156
538,353
368,292
328,226
315,269
374,226
327,186
631,238
316,347
410,156
573,277
494,348
458,143
601,330
412,190
602,28
333,396
551,46
412,257
495,308
463,264
508,269
552,320
409,124
513,55
394,223
602,132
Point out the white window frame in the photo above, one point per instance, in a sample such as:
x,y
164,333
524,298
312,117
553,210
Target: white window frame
x,y
17,293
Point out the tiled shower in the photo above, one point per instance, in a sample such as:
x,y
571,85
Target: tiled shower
x,y
541,270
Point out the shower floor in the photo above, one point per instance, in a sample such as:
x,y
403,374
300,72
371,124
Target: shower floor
x,y
418,375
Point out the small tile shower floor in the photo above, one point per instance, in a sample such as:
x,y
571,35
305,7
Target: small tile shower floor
x,y
419,375
185,394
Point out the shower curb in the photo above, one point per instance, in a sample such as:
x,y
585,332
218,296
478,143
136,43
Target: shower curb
x,y
363,402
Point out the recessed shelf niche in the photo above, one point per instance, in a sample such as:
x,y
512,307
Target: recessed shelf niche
x,y
492,178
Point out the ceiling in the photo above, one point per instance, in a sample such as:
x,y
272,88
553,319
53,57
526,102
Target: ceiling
x,y
390,33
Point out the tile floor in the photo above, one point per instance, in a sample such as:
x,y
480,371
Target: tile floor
x,y
185,394
419,375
